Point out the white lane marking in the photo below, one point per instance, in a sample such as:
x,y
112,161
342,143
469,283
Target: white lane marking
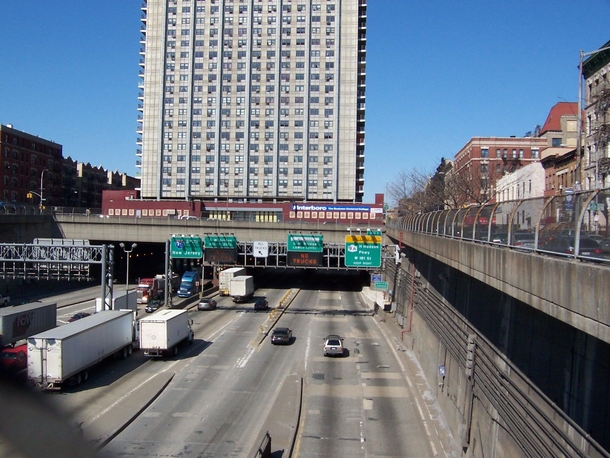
x,y
241,363
307,347
133,390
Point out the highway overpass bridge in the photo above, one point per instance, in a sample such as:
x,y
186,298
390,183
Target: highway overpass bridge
x,y
515,343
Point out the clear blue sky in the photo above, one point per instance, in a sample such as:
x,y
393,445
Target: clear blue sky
x,y
438,73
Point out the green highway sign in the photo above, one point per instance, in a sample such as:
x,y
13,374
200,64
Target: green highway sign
x,y
362,251
220,241
381,285
373,232
186,247
308,243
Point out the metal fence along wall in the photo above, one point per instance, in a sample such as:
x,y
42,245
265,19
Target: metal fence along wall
x,y
564,224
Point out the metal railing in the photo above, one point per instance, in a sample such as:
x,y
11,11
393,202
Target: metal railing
x,y
572,224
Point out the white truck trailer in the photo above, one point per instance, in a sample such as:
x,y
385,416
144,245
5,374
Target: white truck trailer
x,y
121,300
162,332
242,288
63,355
225,277
22,321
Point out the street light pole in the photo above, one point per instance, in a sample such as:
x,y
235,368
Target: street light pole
x,y
128,253
41,189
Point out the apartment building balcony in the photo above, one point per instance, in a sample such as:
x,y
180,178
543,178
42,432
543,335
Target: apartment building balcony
x,y
139,152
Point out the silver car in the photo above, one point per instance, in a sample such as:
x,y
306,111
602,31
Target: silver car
x,y
333,346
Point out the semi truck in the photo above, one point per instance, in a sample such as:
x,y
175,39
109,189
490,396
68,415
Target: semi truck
x,y
189,284
22,321
64,355
242,288
162,333
151,288
225,277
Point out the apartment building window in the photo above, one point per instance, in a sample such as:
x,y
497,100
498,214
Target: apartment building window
x,y
535,153
484,152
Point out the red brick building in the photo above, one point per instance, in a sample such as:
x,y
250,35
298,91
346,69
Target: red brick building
x,y
30,165
483,160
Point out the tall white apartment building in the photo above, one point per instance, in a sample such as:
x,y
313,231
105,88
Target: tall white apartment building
x,y
252,100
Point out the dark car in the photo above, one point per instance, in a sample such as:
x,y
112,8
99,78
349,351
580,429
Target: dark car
x,y
281,336
78,316
206,304
565,245
261,304
605,245
154,305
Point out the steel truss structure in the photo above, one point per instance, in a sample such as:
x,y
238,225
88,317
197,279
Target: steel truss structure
x,y
58,259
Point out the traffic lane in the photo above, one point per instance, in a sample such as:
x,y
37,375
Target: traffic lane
x,y
94,401
215,405
332,418
388,404
357,405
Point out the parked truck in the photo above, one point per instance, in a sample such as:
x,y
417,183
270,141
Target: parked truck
x,y
151,288
189,285
225,277
64,355
22,321
162,333
242,288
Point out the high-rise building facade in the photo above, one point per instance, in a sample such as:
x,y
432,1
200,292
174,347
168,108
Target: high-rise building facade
x,y
253,100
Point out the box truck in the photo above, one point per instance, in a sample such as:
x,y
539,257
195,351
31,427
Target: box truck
x,y
162,332
242,288
189,285
22,321
225,277
64,355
